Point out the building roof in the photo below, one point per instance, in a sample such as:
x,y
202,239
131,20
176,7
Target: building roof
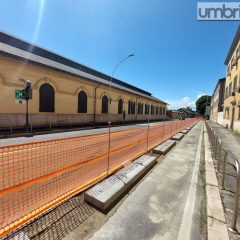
x,y
187,110
173,111
27,52
233,46
219,81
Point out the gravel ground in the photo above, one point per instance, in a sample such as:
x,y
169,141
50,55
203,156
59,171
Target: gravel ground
x,y
57,223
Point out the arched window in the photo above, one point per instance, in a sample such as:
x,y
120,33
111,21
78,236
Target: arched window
x,y
131,107
120,106
46,98
104,104
82,102
140,108
146,109
152,110
164,111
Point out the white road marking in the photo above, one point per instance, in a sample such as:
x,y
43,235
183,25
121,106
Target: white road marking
x,y
186,225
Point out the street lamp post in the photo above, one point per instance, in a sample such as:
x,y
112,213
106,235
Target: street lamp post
x,y
110,85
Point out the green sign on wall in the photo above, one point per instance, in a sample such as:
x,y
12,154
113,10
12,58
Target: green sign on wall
x,y
18,94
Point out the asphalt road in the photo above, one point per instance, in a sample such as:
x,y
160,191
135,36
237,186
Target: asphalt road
x,y
49,136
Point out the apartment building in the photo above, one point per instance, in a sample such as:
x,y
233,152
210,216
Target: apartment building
x,y
231,117
217,101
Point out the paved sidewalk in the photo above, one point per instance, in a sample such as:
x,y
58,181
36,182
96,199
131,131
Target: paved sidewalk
x,y
170,203
230,139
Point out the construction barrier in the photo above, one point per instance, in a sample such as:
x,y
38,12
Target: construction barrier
x,y
37,176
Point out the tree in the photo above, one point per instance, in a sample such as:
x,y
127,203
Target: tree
x,y
201,104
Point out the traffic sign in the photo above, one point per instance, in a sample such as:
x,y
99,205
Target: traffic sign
x,y
19,94
19,98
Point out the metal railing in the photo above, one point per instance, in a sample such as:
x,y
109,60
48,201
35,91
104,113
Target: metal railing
x,y
221,153
36,176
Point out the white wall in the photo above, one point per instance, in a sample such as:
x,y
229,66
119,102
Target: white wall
x,y
220,118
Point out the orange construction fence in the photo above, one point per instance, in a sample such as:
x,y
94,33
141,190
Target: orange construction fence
x,y
37,176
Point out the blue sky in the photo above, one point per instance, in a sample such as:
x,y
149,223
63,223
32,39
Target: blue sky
x,y
175,54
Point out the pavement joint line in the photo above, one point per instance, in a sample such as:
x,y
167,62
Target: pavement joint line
x,y
217,228
216,219
186,225
209,184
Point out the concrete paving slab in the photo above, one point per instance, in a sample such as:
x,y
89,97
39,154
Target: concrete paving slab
x,y
217,230
184,131
130,173
147,161
164,147
211,178
178,136
103,194
214,208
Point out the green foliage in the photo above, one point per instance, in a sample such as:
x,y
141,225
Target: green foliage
x,y
201,104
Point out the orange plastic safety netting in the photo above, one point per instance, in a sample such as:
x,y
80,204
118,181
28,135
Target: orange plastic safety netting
x,y
37,176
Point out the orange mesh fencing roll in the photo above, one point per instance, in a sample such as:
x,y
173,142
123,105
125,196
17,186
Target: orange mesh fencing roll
x,y
37,176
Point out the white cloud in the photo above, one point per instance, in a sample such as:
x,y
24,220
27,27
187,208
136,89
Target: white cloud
x,y
182,103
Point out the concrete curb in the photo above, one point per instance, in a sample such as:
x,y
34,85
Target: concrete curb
x,y
164,147
216,222
178,136
105,193
184,131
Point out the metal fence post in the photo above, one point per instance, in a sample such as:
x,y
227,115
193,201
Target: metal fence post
x,y
232,227
213,144
163,132
219,152
216,147
109,142
212,137
147,134
223,172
